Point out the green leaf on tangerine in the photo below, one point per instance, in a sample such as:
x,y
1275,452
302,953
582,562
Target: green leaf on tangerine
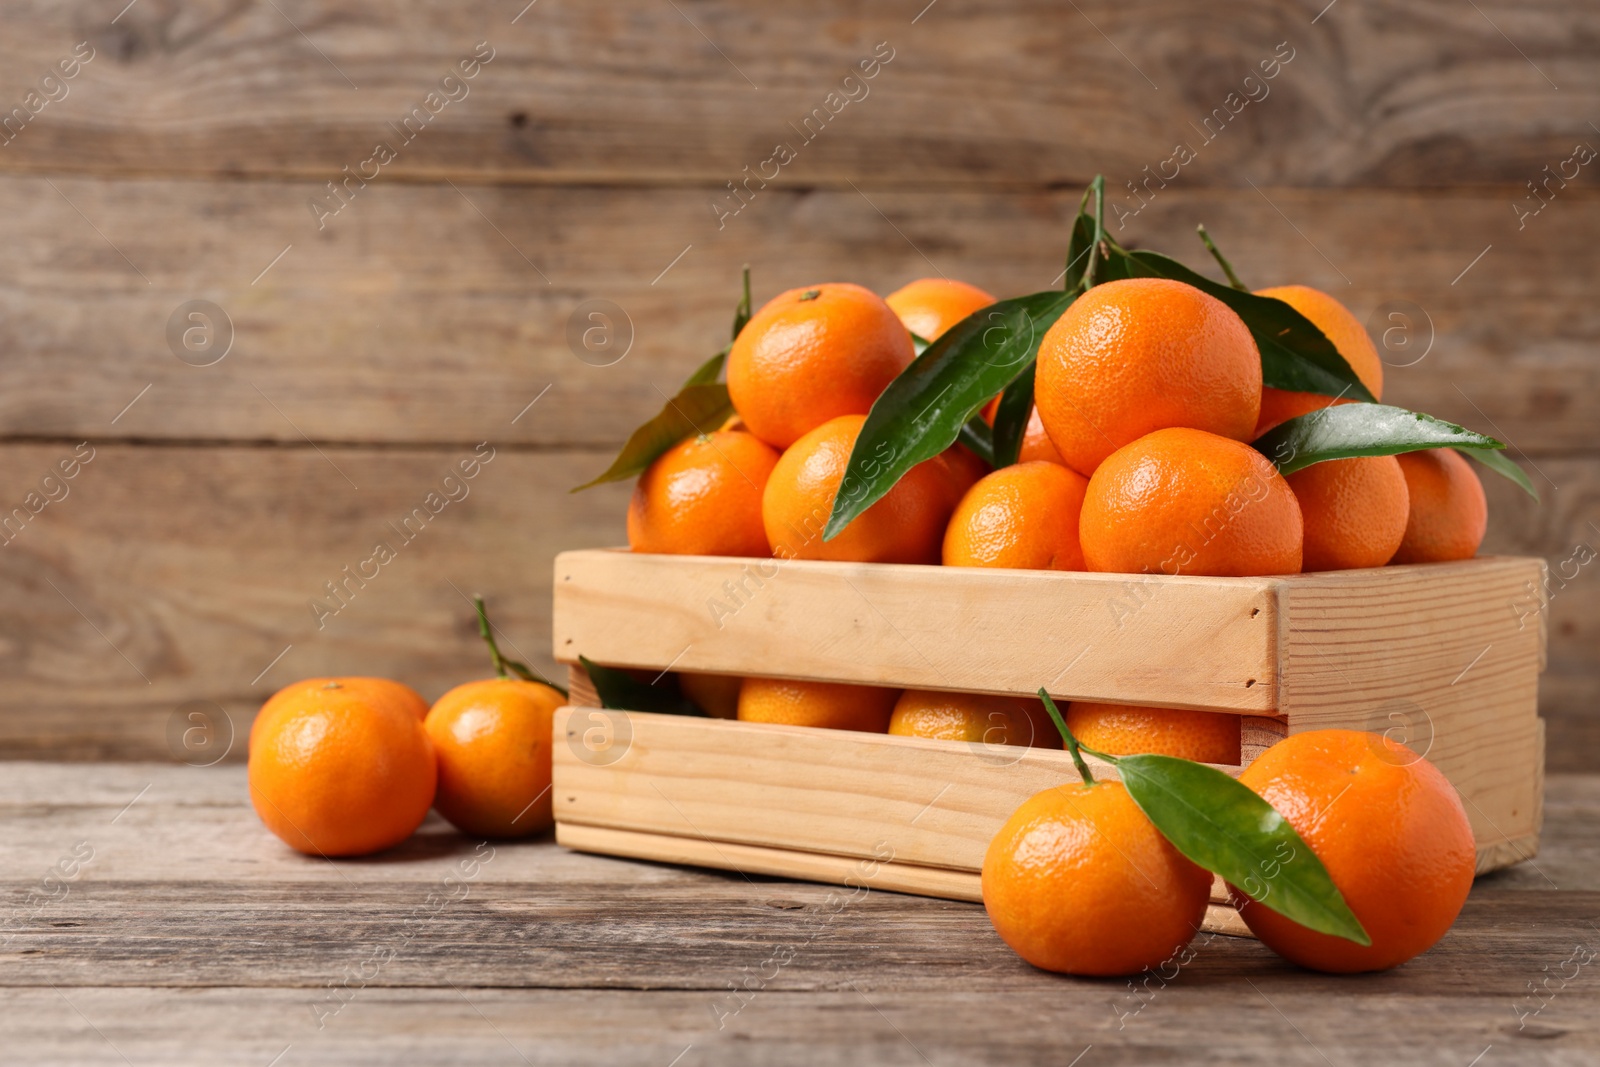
x,y
741,314
1340,431
1504,466
619,690
1011,418
922,411
1229,830
699,407
979,439
1295,355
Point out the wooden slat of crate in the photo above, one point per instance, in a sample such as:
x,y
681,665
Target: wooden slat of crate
x,y
1444,658
853,795
1204,643
930,802
750,859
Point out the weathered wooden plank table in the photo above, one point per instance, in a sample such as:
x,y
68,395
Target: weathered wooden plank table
x,y
147,917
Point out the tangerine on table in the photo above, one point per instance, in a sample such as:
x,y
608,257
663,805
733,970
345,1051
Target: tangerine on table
x,y
339,772
1079,880
1023,516
811,355
493,741
830,705
1391,832
905,526
1124,730
702,497
930,306
1142,354
1183,501
978,718
1354,511
1448,510
1347,335
379,690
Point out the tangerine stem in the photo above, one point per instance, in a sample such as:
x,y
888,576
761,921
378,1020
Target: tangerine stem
x,y
1066,736
1098,188
741,314
1222,260
503,667
488,637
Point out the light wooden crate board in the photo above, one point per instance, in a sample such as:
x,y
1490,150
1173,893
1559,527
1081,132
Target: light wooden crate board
x,y
1439,656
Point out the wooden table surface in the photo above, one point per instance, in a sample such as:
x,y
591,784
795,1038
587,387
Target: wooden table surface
x,y
176,930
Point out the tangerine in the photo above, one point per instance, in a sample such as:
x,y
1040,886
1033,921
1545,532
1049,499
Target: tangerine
x,y
905,526
339,772
1391,832
830,705
1348,336
965,468
702,497
1123,730
1190,502
1036,443
1079,880
1449,512
493,741
977,718
1142,354
930,306
811,355
380,690
1354,511
1024,516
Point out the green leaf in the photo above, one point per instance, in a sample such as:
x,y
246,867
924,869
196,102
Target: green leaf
x,y
1087,237
921,413
1295,355
1011,418
621,691
1340,431
710,370
741,314
919,343
1222,260
979,438
699,407
1226,828
1502,465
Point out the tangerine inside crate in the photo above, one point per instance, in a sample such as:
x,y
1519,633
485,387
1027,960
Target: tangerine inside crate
x,y
1444,657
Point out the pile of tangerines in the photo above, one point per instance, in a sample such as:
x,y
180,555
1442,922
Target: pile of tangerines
x,y
350,766
1134,460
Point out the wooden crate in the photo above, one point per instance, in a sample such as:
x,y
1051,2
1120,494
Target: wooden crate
x,y
1444,657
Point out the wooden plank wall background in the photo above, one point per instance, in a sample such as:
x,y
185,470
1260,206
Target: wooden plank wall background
x,y
586,158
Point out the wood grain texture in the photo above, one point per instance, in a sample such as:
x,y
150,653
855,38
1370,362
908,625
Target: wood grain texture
x,y
1385,162
193,936
1179,642
1382,94
200,563
871,797
170,581
681,787
426,314
938,882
